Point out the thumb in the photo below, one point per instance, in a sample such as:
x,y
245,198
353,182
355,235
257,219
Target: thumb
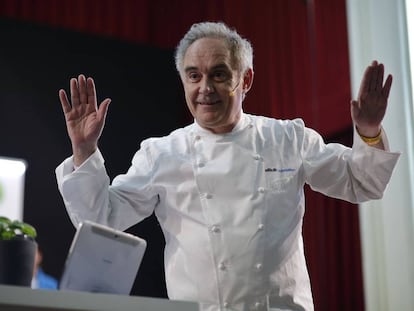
x,y
103,109
354,109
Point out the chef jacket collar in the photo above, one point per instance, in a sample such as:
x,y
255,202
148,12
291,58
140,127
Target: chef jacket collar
x,y
243,122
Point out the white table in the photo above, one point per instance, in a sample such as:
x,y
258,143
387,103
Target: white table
x,y
16,298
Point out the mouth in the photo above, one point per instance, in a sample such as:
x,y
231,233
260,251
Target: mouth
x,y
207,102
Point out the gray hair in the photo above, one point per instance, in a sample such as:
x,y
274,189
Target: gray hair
x,y
241,49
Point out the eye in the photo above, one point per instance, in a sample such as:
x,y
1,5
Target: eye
x,y
220,76
193,76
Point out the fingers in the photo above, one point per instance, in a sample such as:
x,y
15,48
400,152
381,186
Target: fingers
x,y
91,92
74,92
373,79
82,89
82,92
387,86
379,77
64,101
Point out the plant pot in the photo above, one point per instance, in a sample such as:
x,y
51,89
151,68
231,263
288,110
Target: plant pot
x,y
17,258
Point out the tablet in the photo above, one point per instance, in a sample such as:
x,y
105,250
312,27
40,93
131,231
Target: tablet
x,y
102,260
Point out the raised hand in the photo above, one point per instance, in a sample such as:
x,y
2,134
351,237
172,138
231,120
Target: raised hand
x,y
369,109
84,119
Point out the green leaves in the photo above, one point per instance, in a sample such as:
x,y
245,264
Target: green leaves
x,y
10,229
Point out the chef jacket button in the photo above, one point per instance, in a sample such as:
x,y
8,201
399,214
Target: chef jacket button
x,y
250,126
260,227
198,137
215,229
261,189
209,196
222,266
201,164
258,305
257,157
225,304
259,267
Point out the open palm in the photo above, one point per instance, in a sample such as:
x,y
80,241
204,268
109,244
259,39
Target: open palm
x,y
84,119
369,109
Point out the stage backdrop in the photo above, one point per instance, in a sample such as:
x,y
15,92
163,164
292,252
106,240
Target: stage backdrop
x,y
35,63
301,70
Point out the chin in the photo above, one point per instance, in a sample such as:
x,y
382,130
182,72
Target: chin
x,y
208,118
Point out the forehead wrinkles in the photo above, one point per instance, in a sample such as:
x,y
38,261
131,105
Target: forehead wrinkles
x,y
207,53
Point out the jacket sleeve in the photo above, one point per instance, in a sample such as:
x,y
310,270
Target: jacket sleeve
x,y
356,174
88,194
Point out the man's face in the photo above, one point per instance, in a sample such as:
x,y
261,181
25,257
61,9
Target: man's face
x,y
213,89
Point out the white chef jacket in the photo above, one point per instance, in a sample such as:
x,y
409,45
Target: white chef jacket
x,y
230,205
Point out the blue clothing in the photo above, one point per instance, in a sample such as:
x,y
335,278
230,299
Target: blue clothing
x,y
43,280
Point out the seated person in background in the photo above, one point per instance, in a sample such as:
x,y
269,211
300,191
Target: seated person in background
x,y
40,278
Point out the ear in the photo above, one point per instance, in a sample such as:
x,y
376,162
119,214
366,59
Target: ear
x,y
247,80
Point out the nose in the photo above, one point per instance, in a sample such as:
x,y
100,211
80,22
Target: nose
x,y
206,86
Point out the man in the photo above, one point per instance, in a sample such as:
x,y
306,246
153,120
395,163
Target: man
x,y
227,189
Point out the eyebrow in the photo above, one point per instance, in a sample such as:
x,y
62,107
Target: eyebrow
x,y
218,66
190,68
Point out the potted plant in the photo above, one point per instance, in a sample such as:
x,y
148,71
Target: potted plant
x,y
17,252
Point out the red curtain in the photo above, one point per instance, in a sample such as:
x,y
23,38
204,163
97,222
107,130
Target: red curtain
x,y
301,70
301,52
332,247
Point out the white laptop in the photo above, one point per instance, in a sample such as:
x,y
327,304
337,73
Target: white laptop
x,y
12,177
102,260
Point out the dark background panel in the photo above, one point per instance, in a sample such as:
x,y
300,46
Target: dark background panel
x,y
147,100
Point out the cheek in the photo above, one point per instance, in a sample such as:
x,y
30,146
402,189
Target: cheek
x,y
189,100
234,105
190,93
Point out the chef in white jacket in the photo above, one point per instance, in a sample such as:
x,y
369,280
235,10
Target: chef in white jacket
x,y
228,189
